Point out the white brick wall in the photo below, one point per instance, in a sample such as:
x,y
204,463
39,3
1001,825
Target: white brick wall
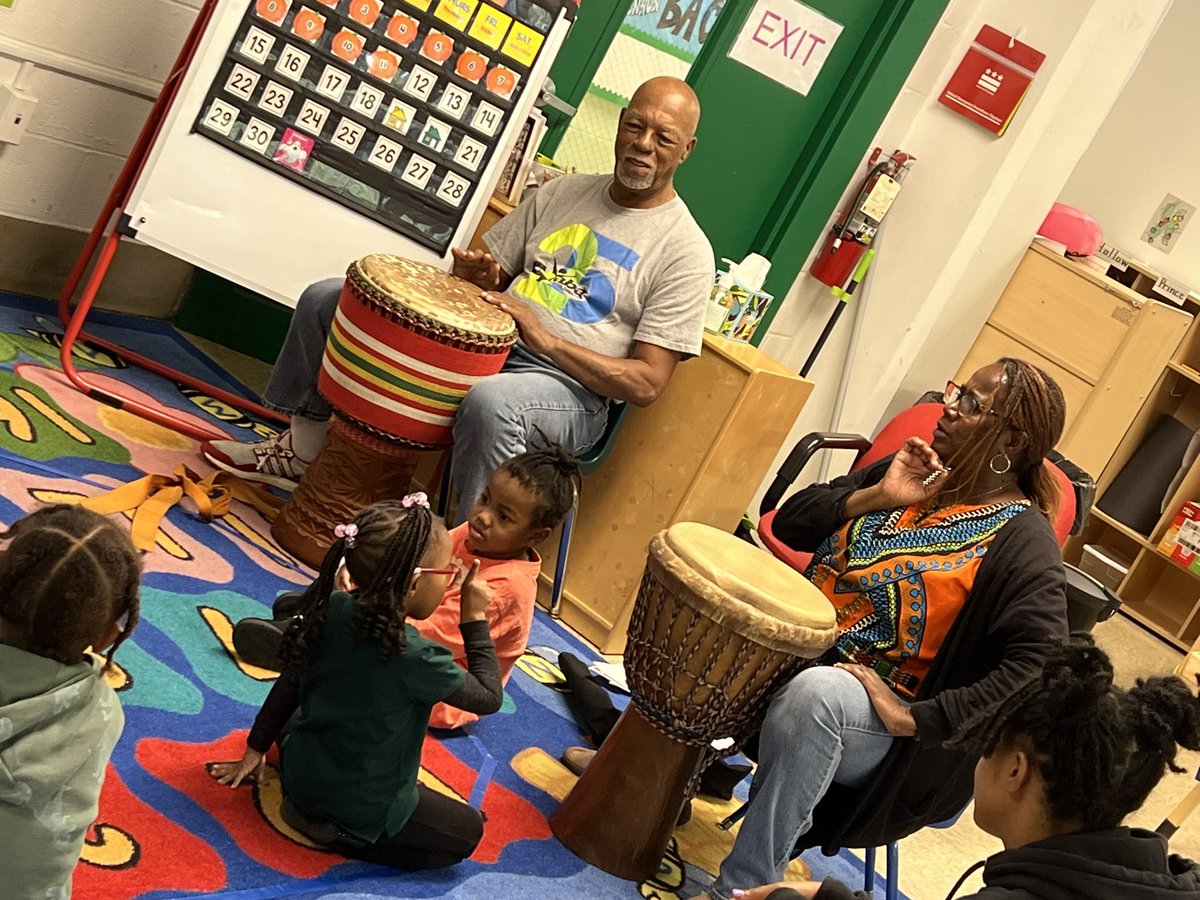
x,y
82,131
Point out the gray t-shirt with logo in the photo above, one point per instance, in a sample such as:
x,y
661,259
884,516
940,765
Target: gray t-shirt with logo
x,y
604,276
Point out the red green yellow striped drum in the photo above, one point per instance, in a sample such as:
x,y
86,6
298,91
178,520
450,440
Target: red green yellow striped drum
x,y
407,343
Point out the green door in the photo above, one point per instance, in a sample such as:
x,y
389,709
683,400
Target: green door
x,y
770,163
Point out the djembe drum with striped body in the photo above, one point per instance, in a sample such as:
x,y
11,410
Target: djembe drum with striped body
x,y
718,626
407,343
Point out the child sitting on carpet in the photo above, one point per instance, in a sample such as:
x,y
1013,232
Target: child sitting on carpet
x,y
1064,760
357,689
525,498
68,581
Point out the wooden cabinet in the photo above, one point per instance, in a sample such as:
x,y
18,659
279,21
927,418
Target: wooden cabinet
x,y
697,454
1106,344
1156,592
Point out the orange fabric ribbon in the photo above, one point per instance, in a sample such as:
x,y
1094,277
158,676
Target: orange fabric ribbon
x,y
152,495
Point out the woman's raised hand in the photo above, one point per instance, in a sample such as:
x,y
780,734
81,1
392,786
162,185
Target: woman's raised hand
x,y
915,475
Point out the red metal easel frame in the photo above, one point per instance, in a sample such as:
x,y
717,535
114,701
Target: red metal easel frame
x,y
73,319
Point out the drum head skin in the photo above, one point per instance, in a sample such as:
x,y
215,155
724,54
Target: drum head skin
x,y
431,294
748,584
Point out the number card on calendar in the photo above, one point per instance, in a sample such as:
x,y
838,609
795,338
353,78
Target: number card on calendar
x,y
392,108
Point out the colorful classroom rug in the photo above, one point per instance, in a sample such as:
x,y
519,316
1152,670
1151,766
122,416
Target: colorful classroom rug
x,y
166,829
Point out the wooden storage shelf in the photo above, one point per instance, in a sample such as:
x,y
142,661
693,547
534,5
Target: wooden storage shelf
x,y
1185,370
1129,378
1161,595
1142,541
1157,592
1138,614
1104,342
1188,354
1166,557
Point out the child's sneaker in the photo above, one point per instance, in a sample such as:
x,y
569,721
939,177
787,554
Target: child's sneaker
x,y
271,462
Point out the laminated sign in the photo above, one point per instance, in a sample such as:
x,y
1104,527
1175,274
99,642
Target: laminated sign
x,y
992,79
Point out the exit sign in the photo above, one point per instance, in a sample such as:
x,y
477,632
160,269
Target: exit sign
x,y
786,41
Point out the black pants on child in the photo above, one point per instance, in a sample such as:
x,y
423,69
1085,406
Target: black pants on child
x,y
441,832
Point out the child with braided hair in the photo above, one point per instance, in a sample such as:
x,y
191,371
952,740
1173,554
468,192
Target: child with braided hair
x,y
525,498
68,582
352,705
1062,762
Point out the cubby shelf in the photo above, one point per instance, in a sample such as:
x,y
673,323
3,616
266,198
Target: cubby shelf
x,y
1108,520
1186,371
1157,592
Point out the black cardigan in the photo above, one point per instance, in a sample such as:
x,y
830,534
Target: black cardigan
x,y
1016,608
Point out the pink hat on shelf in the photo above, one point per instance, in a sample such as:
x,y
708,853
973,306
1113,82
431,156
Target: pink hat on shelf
x,y
1072,227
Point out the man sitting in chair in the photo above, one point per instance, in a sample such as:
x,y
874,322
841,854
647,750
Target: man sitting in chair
x,y
607,277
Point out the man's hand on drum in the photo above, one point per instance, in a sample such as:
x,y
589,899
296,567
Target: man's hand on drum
x,y
477,267
915,475
897,718
533,334
474,597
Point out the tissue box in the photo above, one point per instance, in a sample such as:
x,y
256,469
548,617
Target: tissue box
x,y
735,312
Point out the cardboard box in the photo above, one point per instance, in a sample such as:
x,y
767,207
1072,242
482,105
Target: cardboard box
x,y
1182,540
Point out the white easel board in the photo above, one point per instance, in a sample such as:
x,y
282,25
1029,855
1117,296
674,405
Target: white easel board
x,y
308,133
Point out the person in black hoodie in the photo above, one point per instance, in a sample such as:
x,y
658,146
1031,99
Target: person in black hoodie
x,y
1062,762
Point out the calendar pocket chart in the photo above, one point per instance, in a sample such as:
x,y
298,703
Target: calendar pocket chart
x,y
394,109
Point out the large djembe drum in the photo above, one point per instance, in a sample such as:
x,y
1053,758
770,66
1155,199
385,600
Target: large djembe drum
x,y
717,628
407,342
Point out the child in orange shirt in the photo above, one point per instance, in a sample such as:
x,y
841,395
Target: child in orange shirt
x,y
524,500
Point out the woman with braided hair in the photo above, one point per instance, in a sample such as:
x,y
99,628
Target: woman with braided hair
x,y
948,585
352,705
1061,763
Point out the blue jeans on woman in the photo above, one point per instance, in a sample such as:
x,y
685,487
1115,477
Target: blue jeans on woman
x,y
499,418
819,729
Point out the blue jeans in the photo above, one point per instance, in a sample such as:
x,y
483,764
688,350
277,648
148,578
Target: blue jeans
x,y
820,728
499,417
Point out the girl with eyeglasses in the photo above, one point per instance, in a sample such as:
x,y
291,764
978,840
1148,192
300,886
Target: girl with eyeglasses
x,y
352,706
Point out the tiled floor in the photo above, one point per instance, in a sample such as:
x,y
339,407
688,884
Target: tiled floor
x,y
932,859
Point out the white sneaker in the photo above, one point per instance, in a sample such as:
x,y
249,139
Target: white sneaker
x,y
271,462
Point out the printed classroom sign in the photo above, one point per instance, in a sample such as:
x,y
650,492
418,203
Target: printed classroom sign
x,y
786,41
389,107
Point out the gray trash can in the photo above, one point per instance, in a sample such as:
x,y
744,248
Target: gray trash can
x,y
1088,601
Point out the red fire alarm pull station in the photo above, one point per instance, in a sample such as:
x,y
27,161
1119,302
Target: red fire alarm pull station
x,y
992,79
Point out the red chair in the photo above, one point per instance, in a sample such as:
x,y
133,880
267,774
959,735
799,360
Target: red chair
x,y
916,420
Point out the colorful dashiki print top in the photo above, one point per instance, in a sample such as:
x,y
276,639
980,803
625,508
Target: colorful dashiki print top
x,y
898,584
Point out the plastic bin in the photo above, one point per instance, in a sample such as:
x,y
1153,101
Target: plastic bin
x,y
1106,565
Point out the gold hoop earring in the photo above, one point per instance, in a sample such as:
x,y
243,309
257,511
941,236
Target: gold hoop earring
x,y
1007,463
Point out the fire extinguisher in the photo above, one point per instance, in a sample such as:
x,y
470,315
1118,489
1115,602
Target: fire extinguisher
x,y
848,240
